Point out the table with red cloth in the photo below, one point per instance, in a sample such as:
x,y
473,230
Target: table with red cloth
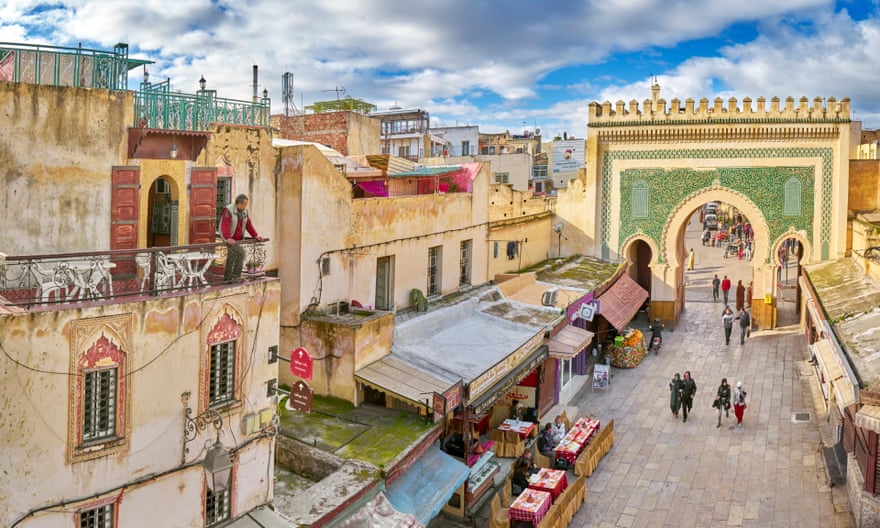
x,y
553,481
524,429
531,506
575,439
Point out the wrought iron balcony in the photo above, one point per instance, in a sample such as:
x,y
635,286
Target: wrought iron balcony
x,y
58,66
65,280
157,107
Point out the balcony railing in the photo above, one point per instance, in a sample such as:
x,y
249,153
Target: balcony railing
x,y
57,66
65,280
157,107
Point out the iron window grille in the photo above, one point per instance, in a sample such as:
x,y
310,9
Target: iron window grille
x,y
217,508
100,517
224,197
99,404
434,270
222,376
464,277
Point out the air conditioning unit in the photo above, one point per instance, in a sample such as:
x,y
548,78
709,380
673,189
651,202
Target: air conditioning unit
x,y
549,298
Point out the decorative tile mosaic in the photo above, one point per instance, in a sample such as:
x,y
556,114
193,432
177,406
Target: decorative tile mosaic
x,y
737,179
763,186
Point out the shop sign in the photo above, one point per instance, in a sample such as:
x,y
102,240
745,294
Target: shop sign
x,y
588,310
600,376
301,363
300,397
449,400
500,369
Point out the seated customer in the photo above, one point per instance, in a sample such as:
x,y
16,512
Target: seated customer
x,y
546,442
520,480
516,410
558,430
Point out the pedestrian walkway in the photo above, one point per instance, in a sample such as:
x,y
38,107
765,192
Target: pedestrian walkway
x,y
662,472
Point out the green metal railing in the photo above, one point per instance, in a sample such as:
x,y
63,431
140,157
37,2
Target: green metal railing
x,y
155,106
58,66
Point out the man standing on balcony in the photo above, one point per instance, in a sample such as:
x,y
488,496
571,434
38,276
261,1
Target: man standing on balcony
x,y
233,224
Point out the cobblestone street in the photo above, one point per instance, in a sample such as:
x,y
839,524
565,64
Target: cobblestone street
x,y
662,472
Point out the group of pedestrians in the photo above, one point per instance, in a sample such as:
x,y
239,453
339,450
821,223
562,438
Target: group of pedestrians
x,y
683,390
722,287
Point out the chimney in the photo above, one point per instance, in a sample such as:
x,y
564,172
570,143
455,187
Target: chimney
x,y
255,83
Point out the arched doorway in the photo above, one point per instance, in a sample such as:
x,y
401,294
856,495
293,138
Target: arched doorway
x,y
639,255
684,230
788,257
162,213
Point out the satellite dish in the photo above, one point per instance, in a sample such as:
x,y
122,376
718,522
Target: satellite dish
x,y
557,228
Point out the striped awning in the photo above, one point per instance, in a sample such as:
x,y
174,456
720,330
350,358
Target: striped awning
x,y
868,417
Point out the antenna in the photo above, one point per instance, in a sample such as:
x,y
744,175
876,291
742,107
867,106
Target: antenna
x,y
338,90
287,93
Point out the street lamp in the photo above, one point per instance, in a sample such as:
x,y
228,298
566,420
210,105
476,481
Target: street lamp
x,y
217,464
218,468
202,83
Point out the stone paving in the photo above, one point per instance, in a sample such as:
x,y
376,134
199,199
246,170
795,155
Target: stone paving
x,y
662,472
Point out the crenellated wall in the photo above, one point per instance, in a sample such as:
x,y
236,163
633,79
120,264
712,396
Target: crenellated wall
x,y
657,111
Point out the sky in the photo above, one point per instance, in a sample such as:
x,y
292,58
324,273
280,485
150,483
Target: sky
x,y
503,65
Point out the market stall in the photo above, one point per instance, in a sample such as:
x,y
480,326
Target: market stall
x,y
628,350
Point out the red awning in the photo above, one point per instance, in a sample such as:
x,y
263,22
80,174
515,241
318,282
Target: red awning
x,y
620,303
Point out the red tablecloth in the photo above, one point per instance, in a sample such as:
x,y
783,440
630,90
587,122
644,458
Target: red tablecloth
x,y
553,481
523,428
576,438
531,506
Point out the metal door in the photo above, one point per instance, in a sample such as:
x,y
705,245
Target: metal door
x,y
384,283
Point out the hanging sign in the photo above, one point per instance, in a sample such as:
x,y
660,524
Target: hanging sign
x,y
588,310
300,397
301,363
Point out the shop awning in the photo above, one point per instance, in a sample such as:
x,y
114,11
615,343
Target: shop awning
x,y
844,396
408,382
569,342
427,485
620,303
868,417
827,362
499,389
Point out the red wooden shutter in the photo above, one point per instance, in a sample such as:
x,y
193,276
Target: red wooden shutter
x,y
202,204
124,207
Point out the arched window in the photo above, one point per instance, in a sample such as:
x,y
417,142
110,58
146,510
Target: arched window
x,y
640,199
792,206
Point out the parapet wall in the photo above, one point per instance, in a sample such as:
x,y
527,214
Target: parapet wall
x,y
656,111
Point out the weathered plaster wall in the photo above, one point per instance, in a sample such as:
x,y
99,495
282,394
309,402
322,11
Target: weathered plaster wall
x,y
164,354
536,243
57,146
363,135
864,186
249,155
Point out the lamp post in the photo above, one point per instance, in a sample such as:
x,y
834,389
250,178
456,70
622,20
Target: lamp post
x,y
202,83
217,464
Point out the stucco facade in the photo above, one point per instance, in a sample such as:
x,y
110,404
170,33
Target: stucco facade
x,y
161,347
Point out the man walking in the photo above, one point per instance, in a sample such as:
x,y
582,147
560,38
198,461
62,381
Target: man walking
x,y
745,323
716,283
725,289
739,403
233,223
687,389
740,295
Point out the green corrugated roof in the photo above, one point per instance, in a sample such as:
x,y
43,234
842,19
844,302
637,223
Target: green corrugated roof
x,y
426,171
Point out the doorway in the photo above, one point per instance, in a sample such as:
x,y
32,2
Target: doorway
x,y
163,215
385,283
788,260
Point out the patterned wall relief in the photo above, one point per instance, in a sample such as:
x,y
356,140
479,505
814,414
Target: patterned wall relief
x,y
763,186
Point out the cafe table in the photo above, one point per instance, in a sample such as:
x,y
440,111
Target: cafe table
x,y
553,481
531,506
575,439
524,429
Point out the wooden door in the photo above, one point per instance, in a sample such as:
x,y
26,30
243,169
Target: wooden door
x,y
124,208
202,205
547,389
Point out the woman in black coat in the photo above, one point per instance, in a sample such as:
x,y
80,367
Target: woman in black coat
x,y
674,396
722,400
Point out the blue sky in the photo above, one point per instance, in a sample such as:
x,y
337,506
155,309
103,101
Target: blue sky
x,y
502,65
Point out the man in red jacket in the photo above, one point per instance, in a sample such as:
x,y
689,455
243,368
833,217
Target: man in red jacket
x,y
233,223
725,288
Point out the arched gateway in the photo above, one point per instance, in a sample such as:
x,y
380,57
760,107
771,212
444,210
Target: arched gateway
x,y
649,170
